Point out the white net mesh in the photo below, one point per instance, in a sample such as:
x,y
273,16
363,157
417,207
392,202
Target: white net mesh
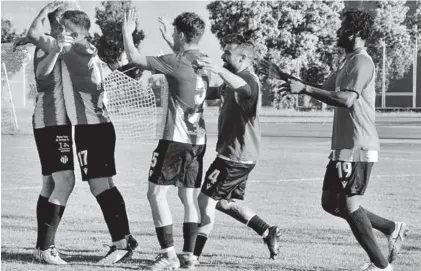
x,y
9,124
132,108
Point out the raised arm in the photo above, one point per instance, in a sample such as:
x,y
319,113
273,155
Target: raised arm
x,y
273,71
36,32
234,81
133,55
164,27
357,75
46,65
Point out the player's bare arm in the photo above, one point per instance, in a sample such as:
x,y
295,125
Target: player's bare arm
x,y
273,71
36,32
46,65
344,98
164,27
232,80
133,55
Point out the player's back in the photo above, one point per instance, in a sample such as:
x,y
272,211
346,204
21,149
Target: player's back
x,y
49,106
187,92
85,92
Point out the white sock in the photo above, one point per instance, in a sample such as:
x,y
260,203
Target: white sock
x,y
121,244
170,251
265,234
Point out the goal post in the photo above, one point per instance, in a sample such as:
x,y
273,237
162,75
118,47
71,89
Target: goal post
x,y
9,122
131,106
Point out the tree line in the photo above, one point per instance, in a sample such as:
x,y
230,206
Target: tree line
x,y
300,36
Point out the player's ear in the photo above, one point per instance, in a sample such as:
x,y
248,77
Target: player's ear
x,y
182,36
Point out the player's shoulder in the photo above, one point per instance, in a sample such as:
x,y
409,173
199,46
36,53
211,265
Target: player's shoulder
x,y
249,76
361,60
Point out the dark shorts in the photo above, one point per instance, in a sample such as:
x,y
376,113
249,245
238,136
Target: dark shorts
x,y
95,146
54,144
178,164
226,179
349,178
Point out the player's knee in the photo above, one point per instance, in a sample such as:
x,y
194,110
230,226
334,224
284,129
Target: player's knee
x,y
187,197
98,185
331,206
203,200
224,205
64,181
47,186
155,196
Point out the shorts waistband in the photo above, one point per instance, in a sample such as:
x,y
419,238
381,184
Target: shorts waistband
x,y
241,162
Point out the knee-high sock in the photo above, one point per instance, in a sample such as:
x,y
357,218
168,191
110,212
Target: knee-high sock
x,y
363,232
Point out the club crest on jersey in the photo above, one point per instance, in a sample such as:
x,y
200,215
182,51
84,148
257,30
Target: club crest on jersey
x,y
64,159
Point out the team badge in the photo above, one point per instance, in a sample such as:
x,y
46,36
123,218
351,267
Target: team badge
x,y
64,159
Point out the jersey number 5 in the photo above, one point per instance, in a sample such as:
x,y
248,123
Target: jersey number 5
x,y
344,169
153,162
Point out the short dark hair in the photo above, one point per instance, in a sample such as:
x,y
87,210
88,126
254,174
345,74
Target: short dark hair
x,y
191,25
244,43
78,18
359,21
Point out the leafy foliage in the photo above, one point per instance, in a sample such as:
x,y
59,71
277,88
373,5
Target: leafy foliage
x,y
109,18
390,27
8,33
296,35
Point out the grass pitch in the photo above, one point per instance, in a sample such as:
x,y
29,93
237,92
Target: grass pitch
x,y
284,189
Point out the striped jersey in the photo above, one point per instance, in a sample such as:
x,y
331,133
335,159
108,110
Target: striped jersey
x,y
49,104
187,92
354,135
83,88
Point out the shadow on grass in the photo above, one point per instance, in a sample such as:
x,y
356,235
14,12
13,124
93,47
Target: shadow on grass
x,y
224,265
17,257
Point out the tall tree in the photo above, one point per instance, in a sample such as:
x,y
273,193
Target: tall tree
x,y
391,27
8,33
109,18
299,36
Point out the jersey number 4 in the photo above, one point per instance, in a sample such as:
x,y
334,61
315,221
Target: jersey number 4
x,y
213,178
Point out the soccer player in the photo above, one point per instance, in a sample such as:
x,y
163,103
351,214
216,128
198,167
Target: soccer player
x,y
178,158
355,143
53,138
237,147
82,77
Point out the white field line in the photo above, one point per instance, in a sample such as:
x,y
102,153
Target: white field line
x,y
80,185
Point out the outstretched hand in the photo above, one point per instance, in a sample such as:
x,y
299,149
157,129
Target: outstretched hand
x,y
206,63
268,68
297,87
164,27
129,21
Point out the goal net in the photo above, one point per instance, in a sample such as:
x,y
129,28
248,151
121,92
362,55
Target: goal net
x,y
131,106
9,124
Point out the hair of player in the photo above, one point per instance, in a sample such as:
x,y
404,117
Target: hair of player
x,y
360,22
78,18
191,25
246,46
